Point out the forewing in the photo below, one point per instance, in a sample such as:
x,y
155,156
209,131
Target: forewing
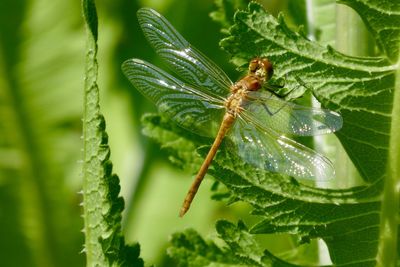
x,y
286,117
265,149
180,56
189,107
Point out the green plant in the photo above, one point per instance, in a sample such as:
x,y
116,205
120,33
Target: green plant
x,y
39,127
344,218
363,90
41,62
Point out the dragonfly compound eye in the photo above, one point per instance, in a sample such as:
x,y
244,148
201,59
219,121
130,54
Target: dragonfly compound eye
x,y
267,68
261,67
259,132
254,65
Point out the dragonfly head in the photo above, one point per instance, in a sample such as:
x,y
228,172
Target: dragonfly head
x,y
262,68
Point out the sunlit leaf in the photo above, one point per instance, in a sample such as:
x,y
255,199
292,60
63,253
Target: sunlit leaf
x,y
104,242
362,90
40,133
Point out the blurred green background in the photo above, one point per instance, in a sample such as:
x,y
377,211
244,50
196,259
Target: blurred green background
x,y
42,52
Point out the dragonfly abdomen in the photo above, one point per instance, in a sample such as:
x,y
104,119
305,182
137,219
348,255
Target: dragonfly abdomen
x,y
226,124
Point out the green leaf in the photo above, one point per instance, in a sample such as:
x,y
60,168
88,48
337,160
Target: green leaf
x,y
361,89
383,20
359,228
190,249
298,13
285,206
225,11
172,137
104,242
318,18
245,247
39,133
241,249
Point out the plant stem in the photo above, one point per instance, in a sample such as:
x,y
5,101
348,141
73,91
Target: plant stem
x,y
92,170
387,250
321,15
352,38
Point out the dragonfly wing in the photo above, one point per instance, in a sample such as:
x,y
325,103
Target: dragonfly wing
x,y
190,64
189,107
265,149
287,117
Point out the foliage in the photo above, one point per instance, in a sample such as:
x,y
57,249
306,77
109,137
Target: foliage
x,y
362,90
41,63
41,66
39,124
242,249
104,242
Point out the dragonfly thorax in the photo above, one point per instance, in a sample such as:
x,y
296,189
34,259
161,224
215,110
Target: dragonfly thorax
x,y
235,102
256,121
250,82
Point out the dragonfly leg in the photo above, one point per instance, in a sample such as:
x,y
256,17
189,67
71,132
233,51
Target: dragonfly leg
x,y
270,112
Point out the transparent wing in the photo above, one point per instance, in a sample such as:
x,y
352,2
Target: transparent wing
x,y
286,117
265,149
189,107
180,56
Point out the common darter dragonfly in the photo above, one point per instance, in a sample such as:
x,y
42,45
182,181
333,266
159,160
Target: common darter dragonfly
x,y
205,101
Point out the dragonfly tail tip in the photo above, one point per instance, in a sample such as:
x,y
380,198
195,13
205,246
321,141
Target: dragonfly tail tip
x,y
182,212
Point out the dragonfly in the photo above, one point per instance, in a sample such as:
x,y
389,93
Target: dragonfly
x,y
205,101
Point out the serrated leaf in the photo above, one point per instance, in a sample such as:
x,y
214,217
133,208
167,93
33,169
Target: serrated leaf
x,y
240,241
104,242
286,206
190,249
245,247
361,89
344,219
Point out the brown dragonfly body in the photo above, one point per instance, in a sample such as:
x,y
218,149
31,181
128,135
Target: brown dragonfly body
x,y
256,121
260,70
